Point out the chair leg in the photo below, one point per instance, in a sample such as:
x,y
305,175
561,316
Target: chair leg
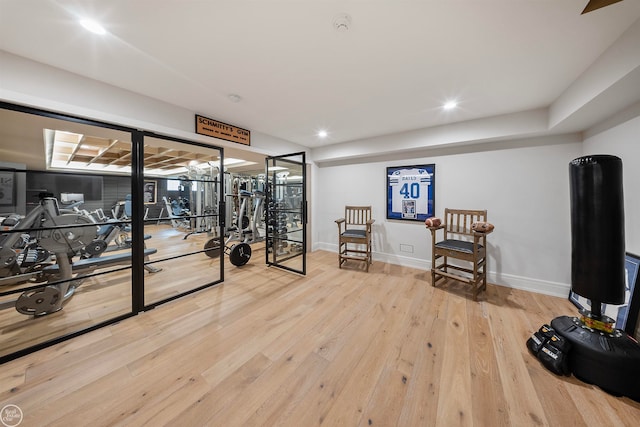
x,y
433,263
484,276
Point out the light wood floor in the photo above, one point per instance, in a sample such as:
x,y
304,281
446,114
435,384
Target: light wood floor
x,y
106,296
336,348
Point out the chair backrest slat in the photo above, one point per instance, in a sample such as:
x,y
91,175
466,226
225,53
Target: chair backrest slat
x,y
357,215
458,221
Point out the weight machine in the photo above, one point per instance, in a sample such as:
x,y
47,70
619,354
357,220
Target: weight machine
x,y
179,218
203,195
243,213
246,228
40,248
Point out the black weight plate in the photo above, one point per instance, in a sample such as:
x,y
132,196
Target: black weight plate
x,y
39,301
96,247
240,254
245,222
212,248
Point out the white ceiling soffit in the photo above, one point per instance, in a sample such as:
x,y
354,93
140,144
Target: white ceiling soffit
x,y
296,72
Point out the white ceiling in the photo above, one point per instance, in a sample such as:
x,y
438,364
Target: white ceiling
x,y
296,74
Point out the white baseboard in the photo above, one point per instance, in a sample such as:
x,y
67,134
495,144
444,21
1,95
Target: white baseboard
x,y
508,280
546,287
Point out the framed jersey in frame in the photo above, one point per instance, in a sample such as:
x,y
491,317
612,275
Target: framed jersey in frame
x,y
411,192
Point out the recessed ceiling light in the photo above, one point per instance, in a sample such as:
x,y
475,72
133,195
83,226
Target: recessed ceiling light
x,y
450,105
93,26
322,134
234,97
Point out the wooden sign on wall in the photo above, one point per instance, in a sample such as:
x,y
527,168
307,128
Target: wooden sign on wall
x,y
216,129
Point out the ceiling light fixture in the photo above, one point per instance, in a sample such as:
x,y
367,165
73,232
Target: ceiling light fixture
x,y
322,134
235,98
450,105
93,26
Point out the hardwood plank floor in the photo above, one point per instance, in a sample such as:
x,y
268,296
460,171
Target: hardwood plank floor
x,y
339,347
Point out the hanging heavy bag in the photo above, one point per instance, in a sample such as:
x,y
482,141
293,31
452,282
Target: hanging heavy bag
x,y
539,338
554,355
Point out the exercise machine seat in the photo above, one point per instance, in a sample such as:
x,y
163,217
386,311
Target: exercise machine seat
x,y
128,211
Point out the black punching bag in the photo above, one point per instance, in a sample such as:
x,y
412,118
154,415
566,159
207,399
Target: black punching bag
x,y
597,230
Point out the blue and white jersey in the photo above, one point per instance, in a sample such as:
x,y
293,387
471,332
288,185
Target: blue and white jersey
x,y
410,184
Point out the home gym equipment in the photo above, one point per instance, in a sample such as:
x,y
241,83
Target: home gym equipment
x,y
176,214
239,254
203,198
243,215
246,228
597,352
47,242
194,209
597,230
551,349
610,361
51,239
277,225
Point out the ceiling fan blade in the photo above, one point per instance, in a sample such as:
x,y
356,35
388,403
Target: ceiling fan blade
x,y
597,4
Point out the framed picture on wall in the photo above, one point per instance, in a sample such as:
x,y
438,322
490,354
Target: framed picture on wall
x,y
7,187
626,314
150,193
411,192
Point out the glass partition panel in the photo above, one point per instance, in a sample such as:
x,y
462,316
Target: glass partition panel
x,y
182,188
65,258
286,212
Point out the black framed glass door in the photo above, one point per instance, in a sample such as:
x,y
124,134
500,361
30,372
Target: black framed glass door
x,y
286,212
182,197
88,233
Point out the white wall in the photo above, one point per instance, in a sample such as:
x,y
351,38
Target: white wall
x,y
34,84
623,140
523,185
525,190
526,193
